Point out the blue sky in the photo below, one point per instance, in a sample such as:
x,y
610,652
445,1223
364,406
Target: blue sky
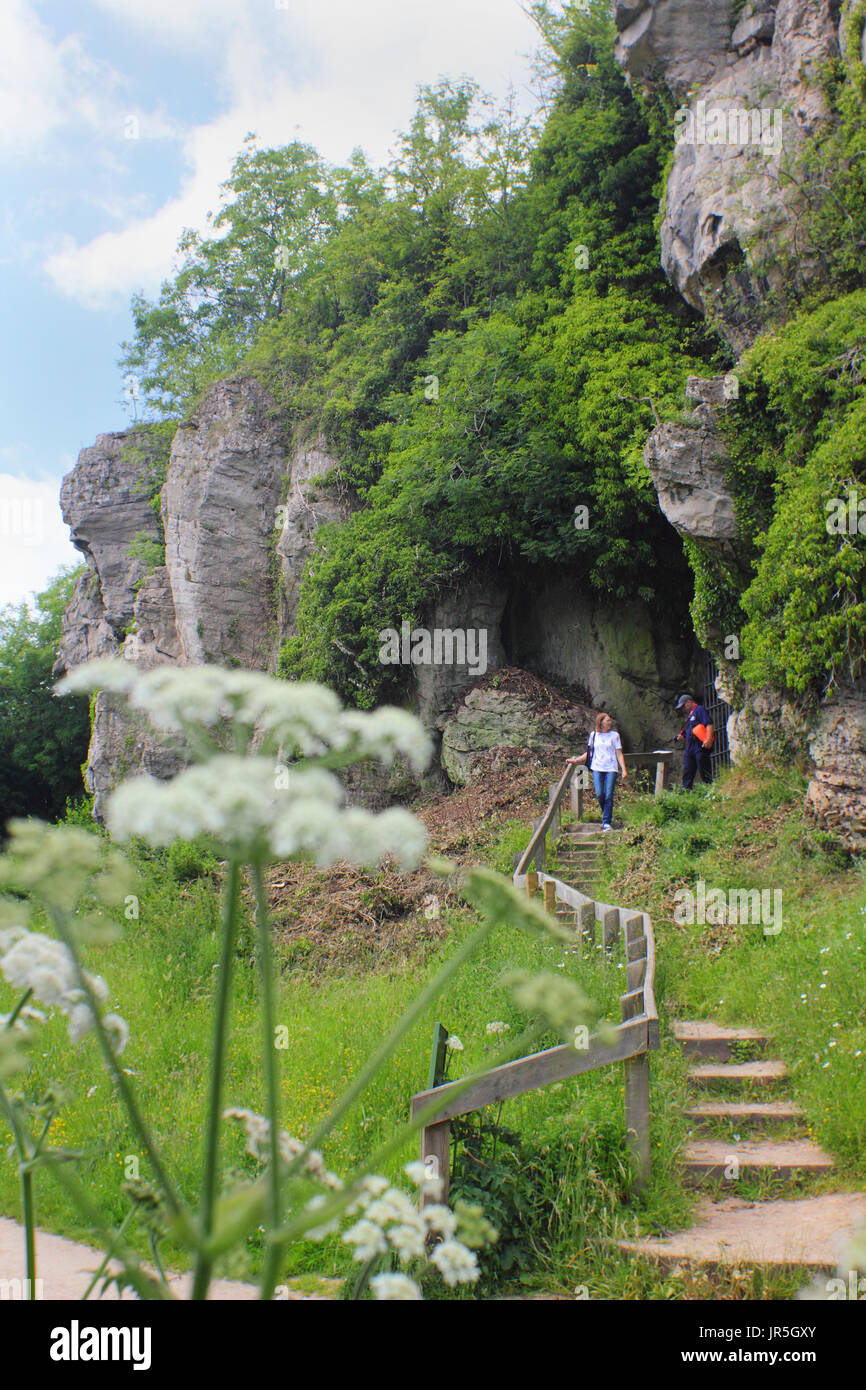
x,y
119,120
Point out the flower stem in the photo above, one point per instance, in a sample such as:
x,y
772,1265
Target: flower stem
x,y
124,1089
269,1058
28,1210
204,1262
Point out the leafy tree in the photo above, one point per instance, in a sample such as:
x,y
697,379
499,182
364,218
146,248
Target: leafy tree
x,y
284,205
43,739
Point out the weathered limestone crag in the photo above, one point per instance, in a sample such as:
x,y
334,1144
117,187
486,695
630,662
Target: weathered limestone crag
x,y
214,598
689,466
219,511
753,91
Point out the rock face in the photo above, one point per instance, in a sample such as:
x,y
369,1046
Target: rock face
x,y
477,609
306,508
750,95
628,660
219,511
105,504
837,793
512,710
214,598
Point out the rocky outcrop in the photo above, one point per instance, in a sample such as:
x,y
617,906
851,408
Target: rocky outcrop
x,y
749,93
837,792
512,710
105,502
476,610
219,511
310,502
229,540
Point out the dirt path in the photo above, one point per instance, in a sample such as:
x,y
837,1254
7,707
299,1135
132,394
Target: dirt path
x,y
65,1268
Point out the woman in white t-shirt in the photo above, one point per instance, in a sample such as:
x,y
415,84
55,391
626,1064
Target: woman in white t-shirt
x,y
605,754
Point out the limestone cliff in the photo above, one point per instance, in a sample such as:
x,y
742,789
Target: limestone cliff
x,y
729,235
232,542
744,71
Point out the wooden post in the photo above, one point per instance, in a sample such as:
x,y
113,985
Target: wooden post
x,y
436,1155
550,895
610,929
586,923
531,883
637,1112
556,822
661,776
437,1056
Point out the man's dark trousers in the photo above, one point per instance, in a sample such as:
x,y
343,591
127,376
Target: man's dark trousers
x,y
694,763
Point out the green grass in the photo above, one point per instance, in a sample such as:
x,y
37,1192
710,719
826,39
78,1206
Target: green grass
x,y
748,831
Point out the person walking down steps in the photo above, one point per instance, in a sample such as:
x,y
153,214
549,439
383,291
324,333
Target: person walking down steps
x,y
604,756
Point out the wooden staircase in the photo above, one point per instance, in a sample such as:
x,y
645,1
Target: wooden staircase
x,y
811,1231
579,851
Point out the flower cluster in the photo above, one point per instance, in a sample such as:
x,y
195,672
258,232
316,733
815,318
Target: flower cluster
x,y
559,1001
497,1028
32,961
235,802
60,864
391,1224
258,1131
297,718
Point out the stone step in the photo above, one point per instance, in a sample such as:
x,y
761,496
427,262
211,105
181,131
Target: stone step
x,y
701,1038
701,1162
760,1113
737,1073
812,1232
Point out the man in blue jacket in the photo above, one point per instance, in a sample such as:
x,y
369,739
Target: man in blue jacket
x,y
696,758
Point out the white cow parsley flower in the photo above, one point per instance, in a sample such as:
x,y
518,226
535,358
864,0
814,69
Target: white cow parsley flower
x,y
367,1238
236,802
395,1286
455,1262
31,960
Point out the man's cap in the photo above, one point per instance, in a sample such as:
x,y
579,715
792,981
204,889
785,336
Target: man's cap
x,y
683,700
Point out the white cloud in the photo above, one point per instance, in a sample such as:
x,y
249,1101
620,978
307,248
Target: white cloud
x,y
336,75
51,85
34,542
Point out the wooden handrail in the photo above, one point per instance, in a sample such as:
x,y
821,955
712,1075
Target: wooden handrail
x,y
629,1042
540,833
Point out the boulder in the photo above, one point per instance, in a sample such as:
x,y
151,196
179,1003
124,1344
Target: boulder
x,y
512,709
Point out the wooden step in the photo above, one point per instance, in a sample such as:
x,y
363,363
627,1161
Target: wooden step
x,y
704,1039
737,1073
702,1162
760,1113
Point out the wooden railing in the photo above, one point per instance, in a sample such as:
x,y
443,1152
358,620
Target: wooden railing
x,y
624,933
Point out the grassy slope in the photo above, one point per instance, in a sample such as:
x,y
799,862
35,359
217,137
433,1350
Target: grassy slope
x,y
748,832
